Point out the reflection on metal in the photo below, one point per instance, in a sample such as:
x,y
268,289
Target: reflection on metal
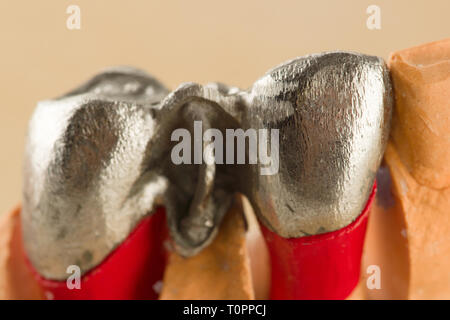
x,y
98,159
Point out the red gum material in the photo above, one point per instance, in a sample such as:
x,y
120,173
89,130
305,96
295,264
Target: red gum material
x,y
324,266
129,272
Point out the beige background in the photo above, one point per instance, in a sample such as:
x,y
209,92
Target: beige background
x,y
230,41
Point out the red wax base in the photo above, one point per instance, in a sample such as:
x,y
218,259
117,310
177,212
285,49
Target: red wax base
x,y
129,272
324,266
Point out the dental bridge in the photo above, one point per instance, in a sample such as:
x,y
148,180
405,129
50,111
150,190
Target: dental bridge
x,y
100,158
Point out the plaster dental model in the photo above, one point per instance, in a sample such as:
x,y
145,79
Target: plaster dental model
x,y
409,234
99,163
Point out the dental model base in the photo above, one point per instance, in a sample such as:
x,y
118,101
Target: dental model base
x,y
99,161
409,232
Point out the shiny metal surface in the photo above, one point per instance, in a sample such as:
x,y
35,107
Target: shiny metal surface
x,y
85,181
98,159
333,111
